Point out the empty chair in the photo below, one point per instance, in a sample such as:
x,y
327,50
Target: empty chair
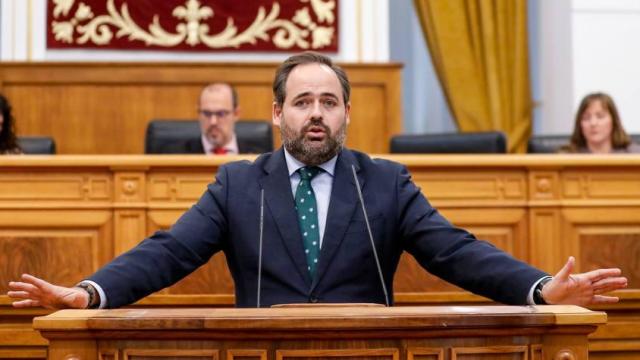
x,y
184,137
547,144
33,145
492,142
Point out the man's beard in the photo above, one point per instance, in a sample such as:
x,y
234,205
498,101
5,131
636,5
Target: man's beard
x,y
312,153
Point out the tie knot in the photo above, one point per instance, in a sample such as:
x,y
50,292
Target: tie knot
x,y
308,172
220,151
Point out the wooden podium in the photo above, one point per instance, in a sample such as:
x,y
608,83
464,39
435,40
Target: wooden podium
x,y
332,332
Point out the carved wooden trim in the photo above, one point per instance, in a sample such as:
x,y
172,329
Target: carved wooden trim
x,y
457,351
394,354
544,185
130,229
108,354
537,352
128,354
419,351
130,186
233,353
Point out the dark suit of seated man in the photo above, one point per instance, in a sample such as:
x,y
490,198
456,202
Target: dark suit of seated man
x,y
294,229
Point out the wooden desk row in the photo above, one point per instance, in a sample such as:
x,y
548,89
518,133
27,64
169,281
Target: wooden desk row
x,y
63,217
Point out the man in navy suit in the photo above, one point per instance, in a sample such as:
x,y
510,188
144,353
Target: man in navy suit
x,y
315,241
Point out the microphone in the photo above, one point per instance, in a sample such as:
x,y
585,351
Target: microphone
x,y
373,246
260,246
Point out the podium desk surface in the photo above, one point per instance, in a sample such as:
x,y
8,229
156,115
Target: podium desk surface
x,y
321,318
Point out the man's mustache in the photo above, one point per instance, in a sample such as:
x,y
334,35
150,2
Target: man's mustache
x,y
317,123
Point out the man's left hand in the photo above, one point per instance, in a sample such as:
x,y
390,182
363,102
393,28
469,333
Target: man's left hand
x,y
585,288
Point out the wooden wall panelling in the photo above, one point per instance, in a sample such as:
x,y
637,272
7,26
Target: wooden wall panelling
x,y
48,243
541,209
170,193
18,340
605,237
129,209
104,108
62,246
467,188
547,245
546,240
504,228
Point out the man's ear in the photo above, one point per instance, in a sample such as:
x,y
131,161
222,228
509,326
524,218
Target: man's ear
x,y
236,112
276,114
347,112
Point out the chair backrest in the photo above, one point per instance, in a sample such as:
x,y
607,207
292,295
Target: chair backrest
x,y
493,142
165,136
33,145
546,144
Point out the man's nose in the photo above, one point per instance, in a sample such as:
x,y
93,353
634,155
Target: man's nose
x,y
316,111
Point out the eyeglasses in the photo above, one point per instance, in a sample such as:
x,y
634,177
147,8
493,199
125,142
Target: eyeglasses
x,y
220,114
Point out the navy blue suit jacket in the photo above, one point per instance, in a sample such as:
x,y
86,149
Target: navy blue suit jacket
x,y
227,218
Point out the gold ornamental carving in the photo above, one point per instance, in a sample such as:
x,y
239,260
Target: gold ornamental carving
x,y
301,30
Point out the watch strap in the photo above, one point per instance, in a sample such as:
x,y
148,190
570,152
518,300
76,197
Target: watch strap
x,y
94,298
538,299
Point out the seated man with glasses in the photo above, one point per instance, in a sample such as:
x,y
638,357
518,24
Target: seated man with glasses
x,y
218,112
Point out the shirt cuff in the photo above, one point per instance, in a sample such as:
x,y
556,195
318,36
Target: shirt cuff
x,y
529,296
103,296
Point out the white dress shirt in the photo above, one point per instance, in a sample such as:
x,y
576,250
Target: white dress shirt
x,y
321,184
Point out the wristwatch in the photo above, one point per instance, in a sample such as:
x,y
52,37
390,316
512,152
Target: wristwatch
x,y
94,298
537,292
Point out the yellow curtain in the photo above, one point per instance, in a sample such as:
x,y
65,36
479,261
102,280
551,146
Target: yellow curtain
x,y
479,51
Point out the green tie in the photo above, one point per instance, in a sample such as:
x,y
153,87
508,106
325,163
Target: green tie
x,y
308,217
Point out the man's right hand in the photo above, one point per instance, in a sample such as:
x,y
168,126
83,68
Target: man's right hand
x,y
32,291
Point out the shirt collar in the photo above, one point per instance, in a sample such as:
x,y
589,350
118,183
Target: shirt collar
x,y
231,146
294,164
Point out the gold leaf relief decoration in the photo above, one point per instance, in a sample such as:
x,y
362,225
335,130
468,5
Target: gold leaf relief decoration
x,y
62,7
193,30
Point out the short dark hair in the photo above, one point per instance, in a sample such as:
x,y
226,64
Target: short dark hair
x,y
8,142
307,57
234,93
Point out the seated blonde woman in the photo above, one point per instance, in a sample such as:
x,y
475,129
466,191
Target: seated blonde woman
x,y
598,129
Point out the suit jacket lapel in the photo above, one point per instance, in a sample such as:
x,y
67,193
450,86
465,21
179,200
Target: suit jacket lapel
x,y
279,200
342,204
